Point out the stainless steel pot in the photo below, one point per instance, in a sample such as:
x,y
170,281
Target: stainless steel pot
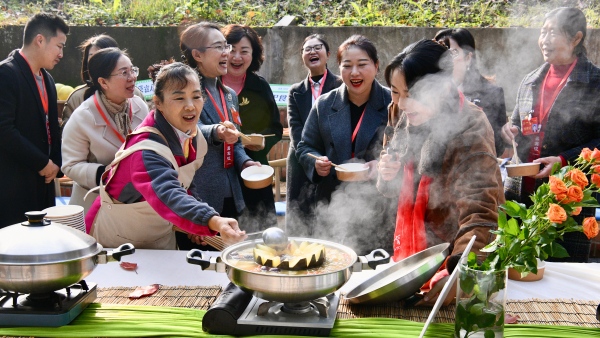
x,y
288,288
38,256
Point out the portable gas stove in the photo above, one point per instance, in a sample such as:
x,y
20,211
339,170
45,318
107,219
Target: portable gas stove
x,y
54,309
236,312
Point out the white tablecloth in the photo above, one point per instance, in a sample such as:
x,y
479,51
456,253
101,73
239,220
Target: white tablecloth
x,y
561,280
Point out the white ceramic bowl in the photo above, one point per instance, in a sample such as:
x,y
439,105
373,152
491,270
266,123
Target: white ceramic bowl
x,y
352,172
258,177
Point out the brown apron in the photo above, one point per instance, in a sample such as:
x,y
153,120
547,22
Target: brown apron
x,y
137,223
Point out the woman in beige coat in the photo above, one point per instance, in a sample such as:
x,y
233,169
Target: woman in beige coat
x,y
98,127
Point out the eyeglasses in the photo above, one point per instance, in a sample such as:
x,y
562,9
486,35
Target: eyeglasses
x,y
316,48
127,73
221,48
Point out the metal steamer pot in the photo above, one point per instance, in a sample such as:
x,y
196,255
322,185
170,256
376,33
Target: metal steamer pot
x,y
288,288
38,256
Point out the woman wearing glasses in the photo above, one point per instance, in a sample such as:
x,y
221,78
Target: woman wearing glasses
x,y
346,125
476,88
217,181
302,95
99,126
89,47
259,114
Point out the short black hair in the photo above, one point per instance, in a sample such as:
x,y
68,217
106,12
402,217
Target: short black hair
x,y
361,42
319,37
43,23
234,33
174,74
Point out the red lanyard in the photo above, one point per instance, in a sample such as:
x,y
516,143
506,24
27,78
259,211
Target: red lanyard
x,y
321,83
43,96
108,122
237,92
228,154
544,112
358,127
224,117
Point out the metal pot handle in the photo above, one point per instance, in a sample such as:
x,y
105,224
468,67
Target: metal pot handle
x,y
115,255
370,261
195,256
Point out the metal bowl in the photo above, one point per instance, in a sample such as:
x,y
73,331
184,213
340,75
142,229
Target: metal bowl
x,y
288,288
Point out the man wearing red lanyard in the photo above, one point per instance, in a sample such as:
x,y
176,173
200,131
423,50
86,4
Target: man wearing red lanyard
x,y
29,132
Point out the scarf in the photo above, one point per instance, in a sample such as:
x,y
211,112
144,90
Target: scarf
x,y
119,113
410,236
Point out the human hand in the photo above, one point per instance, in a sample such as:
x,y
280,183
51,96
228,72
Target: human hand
x,y
372,168
431,297
228,228
250,164
548,162
49,172
226,132
323,166
509,132
388,167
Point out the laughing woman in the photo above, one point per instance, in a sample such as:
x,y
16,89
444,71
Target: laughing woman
x,y
217,181
145,192
557,110
259,114
300,193
101,123
346,125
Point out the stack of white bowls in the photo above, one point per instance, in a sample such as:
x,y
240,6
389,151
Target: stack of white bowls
x,y
69,215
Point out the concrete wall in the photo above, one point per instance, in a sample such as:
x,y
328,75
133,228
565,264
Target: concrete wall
x,y
506,53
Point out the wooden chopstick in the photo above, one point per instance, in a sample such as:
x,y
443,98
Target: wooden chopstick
x,y
515,155
269,135
242,135
333,164
214,241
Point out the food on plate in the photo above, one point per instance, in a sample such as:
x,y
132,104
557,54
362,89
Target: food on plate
x,y
296,257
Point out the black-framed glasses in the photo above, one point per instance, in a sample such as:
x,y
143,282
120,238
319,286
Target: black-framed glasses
x,y
221,48
316,48
126,73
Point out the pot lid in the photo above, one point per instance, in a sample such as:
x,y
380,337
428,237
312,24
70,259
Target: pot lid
x,y
40,241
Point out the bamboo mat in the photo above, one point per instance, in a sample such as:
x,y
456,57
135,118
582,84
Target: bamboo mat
x,y
566,312
193,297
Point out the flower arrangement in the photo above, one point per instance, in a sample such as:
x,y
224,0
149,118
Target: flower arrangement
x,y
524,235
549,217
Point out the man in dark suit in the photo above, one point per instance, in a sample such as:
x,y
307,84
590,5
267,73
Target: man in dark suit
x,y
29,133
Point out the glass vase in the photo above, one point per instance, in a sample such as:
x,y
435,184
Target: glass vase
x,y
480,302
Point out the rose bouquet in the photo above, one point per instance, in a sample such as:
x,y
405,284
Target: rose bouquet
x,y
524,235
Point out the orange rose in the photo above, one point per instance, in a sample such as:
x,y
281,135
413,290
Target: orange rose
x,y
596,179
590,227
557,186
596,155
586,154
576,211
556,214
578,177
596,168
574,194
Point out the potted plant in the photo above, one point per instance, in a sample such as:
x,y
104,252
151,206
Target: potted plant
x,y
524,235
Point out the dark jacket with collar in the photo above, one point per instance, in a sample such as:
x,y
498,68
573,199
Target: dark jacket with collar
x,y
259,114
574,118
354,214
24,148
300,191
328,132
210,179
